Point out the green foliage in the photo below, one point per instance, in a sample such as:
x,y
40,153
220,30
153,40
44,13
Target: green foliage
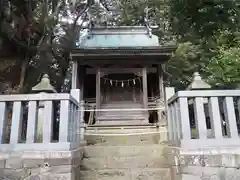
x,y
224,68
207,34
31,31
212,26
183,63
156,12
203,17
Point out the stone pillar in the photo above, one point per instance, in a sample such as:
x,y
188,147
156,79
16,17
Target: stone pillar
x,y
76,93
145,90
43,87
169,92
98,89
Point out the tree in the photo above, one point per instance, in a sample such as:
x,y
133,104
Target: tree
x,y
224,67
34,37
202,22
183,64
33,29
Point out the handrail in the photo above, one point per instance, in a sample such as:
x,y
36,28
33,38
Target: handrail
x,y
39,110
90,108
214,114
204,93
90,100
37,97
91,115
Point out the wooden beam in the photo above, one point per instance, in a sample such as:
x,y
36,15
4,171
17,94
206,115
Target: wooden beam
x,y
119,61
120,70
121,54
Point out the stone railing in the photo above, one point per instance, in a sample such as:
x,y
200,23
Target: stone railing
x,y
28,122
204,118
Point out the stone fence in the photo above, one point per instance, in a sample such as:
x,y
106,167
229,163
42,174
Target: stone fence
x,y
204,118
32,122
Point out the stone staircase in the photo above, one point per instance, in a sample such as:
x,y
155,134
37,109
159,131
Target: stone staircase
x,y
124,154
122,113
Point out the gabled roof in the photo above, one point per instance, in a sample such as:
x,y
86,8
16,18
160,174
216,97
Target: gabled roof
x,y
118,37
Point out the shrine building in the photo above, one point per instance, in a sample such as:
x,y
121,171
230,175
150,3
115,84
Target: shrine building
x,y
120,72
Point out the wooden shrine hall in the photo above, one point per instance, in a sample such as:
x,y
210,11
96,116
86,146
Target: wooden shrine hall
x,y
119,71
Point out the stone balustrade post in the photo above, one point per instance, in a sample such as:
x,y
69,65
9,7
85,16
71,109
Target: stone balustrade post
x,y
80,114
169,92
200,105
42,87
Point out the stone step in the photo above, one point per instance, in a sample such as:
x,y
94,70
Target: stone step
x,y
118,162
123,130
123,151
121,122
121,106
125,115
121,102
127,174
138,127
124,139
121,117
129,111
113,112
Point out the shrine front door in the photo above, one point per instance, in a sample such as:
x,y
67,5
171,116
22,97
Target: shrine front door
x,y
118,93
121,88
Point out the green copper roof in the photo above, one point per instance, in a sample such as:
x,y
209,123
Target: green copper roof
x,y
117,37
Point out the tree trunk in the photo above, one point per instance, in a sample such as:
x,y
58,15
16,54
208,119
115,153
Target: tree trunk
x,y
22,75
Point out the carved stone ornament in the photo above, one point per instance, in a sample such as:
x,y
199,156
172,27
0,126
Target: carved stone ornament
x,y
44,85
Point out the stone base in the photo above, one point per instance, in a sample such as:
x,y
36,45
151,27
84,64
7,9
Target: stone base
x,y
212,163
41,165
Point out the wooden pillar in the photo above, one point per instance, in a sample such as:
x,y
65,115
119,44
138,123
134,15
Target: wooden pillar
x,y
161,101
75,82
145,90
81,75
82,102
98,89
160,82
